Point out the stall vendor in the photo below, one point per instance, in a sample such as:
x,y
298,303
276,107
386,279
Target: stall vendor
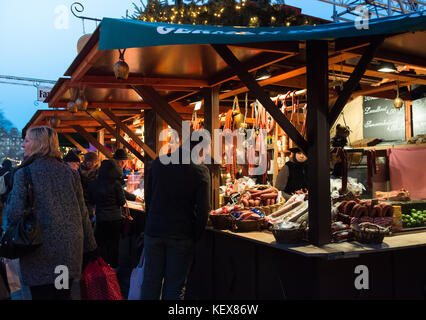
x,y
121,157
293,175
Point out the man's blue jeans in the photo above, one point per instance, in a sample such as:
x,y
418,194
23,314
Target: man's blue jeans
x,y
166,259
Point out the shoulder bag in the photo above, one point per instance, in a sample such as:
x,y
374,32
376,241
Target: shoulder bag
x,y
23,236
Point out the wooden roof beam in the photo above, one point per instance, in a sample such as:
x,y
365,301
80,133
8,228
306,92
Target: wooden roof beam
x,y
255,63
88,61
385,75
147,150
161,106
286,75
354,79
113,132
143,81
394,57
91,139
73,142
288,47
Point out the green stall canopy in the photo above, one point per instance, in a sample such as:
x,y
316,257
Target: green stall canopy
x,y
125,33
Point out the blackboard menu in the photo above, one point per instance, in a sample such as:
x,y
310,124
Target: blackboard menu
x,y
419,116
382,120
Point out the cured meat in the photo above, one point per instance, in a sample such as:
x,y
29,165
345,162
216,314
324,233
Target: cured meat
x,y
286,208
396,195
348,207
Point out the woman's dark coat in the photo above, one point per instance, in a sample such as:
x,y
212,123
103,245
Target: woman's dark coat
x,y
106,193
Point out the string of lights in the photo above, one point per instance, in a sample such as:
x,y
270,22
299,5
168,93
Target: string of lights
x,y
225,13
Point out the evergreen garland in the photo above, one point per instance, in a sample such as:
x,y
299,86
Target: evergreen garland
x,y
222,13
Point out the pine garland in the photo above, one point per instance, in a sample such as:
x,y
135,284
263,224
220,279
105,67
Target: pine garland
x,y
222,13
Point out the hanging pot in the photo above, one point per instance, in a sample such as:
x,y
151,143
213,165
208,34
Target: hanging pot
x,y
81,103
398,102
82,41
71,107
121,70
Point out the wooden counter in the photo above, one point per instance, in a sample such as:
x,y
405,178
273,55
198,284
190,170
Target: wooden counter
x,y
134,205
252,266
334,250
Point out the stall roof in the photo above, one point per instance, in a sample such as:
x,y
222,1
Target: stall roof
x,y
148,34
178,64
177,61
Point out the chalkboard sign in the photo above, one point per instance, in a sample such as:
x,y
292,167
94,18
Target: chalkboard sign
x,y
382,120
419,116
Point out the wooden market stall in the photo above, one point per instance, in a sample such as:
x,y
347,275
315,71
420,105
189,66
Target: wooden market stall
x,y
173,66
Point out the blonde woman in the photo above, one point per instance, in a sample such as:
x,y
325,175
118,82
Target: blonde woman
x,y
64,221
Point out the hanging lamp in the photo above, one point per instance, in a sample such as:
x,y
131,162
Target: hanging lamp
x,y
398,102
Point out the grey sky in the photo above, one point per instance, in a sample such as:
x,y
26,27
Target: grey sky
x,y
33,46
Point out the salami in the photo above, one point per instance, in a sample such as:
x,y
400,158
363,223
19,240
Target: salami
x,y
348,207
387,211
341,206
286,208
377,211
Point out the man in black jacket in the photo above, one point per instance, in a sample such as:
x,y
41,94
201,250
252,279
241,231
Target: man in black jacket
x,y
177,198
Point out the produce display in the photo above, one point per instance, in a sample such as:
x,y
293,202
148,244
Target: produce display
x,y
416,218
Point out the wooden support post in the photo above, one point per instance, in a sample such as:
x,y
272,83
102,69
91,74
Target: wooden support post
x,y
114,133
118,144
150,137
161,106
408,119
260,94
319,142
91,139
161,125
101,140
211,122
75,143
147,150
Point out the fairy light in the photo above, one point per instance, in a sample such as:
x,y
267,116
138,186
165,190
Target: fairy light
x,y
221,12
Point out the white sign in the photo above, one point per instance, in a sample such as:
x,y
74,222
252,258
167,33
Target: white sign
x,y
42,93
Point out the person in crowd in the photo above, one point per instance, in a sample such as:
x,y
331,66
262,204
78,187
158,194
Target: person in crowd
x,y
177,198
121,157
72,160
106,193
294,174
6,173
88,170
59,206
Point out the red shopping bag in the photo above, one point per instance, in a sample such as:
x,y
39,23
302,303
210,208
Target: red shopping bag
x,y
99,282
